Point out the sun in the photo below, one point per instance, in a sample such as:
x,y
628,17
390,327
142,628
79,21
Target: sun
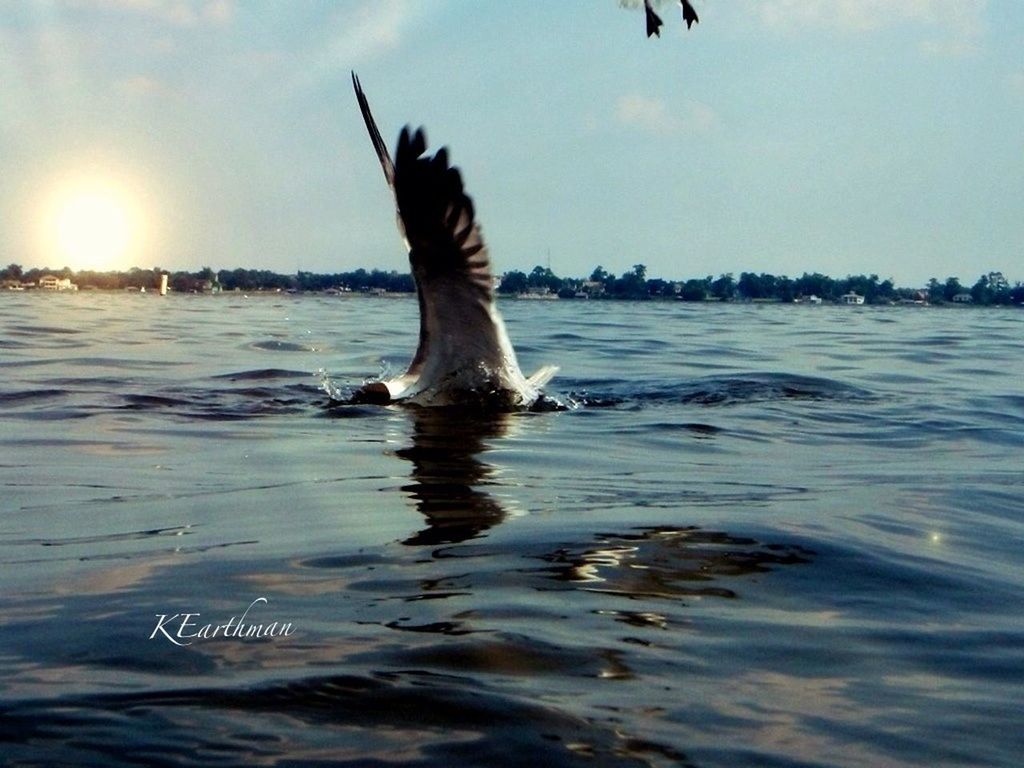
x,y
92,223
92,228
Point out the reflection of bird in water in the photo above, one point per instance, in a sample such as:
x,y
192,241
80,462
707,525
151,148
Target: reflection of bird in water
x,y
654,22
447,473
464,354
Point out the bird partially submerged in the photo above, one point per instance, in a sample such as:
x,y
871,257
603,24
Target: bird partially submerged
x,y
464,356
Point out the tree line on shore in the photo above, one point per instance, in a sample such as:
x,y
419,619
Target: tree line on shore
x,y
989,289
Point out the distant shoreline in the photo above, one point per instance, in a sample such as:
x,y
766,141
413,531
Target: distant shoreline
x,y
540,284
504,297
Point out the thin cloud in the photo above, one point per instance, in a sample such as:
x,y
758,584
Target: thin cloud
x,y
178,13
652,115
143,85
957,26
860,15
1015,84
951,47
218,11
365,30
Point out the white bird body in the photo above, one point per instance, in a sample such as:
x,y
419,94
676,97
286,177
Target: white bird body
x,y
464,354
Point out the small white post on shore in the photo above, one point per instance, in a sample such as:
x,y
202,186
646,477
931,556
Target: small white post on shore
x,y
163,284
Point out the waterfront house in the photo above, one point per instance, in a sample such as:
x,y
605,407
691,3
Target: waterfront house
x,y
54,283
852,298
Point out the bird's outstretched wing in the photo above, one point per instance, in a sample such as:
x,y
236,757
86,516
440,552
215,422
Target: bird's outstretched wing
x,y
435,213
449,260
654,21
444,238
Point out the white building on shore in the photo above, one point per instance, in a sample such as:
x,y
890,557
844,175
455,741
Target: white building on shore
x,y
54,283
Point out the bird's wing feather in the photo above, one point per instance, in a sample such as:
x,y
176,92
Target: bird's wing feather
x,y
389,174
446,249
438,216
371,127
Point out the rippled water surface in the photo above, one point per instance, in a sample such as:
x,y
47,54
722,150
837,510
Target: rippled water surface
x,y
761,535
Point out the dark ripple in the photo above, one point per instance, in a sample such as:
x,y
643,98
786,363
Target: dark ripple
x,y
231,404
56,414
145,402
727,390
31,396
718,390
1015,402
274,345
889,585
903,428
508,655
105,538
75,382
182,403
945,340
118,363
261,374
408,718
42,330
359,560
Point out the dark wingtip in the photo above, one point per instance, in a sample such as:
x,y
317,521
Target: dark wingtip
x,y
654,21
441,158
418,141
412,142
689,14
438,217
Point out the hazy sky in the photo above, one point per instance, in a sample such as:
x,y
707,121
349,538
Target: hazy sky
x,y
843,136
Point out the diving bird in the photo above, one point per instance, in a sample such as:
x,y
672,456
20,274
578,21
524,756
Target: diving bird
x,y
464,356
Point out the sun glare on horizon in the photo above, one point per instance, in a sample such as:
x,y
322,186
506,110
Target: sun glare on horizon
x,y
92,224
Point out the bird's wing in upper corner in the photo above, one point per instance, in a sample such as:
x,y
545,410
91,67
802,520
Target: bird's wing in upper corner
x,y
653,20
689,14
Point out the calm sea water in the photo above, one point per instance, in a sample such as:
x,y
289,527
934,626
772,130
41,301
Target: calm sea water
x,y
763,535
